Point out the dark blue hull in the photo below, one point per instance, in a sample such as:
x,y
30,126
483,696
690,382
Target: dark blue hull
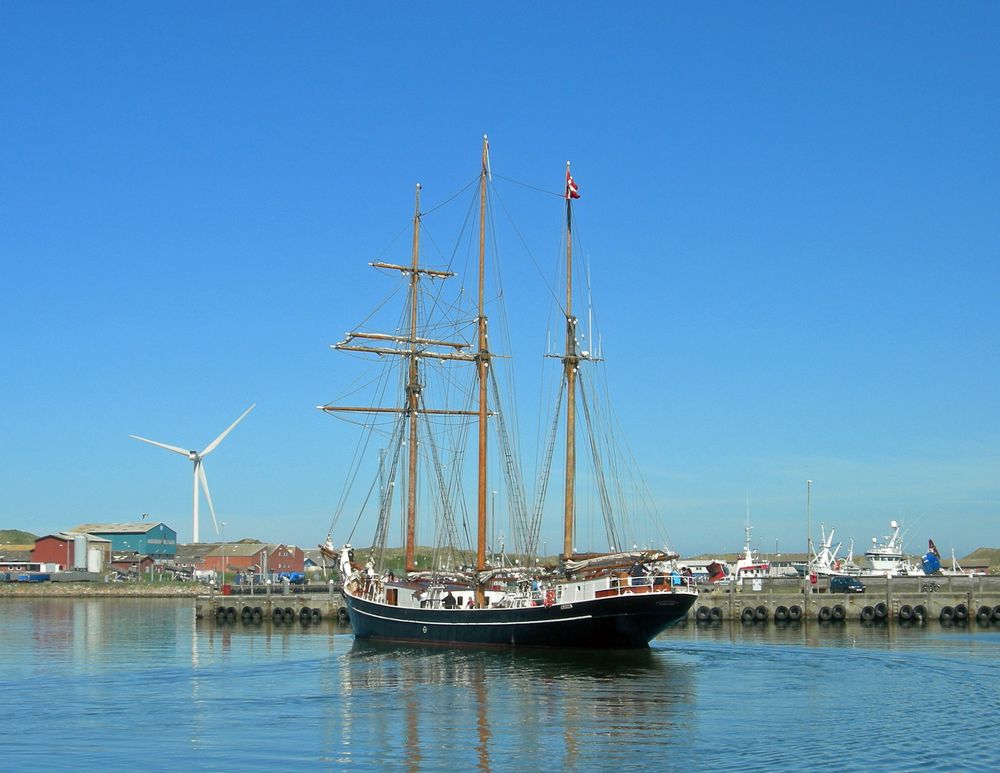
x,y
625,621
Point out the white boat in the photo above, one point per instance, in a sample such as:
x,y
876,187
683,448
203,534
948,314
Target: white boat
x,y
825,561
750,566
886,558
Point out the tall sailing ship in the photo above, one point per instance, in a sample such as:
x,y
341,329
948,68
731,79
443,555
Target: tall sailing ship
x,y
618,598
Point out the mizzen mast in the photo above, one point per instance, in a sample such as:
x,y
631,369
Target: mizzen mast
x,y
571,361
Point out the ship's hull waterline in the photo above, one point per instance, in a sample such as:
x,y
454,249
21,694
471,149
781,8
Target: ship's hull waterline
x,y
628,621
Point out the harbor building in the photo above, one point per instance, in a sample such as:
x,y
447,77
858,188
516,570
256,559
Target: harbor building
x,y
73,550
254,558
149,539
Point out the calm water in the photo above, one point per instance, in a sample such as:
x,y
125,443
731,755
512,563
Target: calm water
x,y
140,683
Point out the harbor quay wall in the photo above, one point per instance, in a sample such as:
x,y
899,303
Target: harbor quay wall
x,y
306,605
889,598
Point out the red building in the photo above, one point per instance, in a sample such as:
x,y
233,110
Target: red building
x,y
132,563
254,558
284,558
70,550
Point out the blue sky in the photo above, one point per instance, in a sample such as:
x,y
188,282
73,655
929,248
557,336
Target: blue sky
x,y
791,214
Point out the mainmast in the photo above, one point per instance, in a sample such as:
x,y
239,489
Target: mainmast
x,y
413,393
482,368
570,363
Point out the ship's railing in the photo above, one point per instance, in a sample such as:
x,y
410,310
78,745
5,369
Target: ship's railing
x,y
625,582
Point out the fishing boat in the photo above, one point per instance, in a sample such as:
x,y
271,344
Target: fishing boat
x,y
485,594
886,558
750,566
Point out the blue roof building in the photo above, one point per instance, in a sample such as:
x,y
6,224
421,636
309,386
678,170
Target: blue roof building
x,y
147,539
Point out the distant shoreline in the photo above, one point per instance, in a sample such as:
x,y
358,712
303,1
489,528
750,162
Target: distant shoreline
x,y
98,590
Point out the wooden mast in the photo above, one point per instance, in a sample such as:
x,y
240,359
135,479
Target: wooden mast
x,y
413,347
570,364
482,368
413,393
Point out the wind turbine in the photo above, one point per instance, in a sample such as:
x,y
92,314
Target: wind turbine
x,y
199,469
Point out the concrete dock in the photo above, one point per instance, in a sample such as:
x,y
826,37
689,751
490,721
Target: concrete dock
x,y
945,598
949,599
274,604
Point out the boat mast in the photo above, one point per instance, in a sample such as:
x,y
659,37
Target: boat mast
x,y
570,363
482,366
413,394
412,348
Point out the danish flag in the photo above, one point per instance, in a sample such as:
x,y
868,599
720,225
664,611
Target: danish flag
x,y
572,191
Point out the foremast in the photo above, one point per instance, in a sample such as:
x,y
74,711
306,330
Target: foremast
x,y
414,347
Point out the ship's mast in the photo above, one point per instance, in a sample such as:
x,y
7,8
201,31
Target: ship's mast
x,y
570,363
482,368
411,347
413,394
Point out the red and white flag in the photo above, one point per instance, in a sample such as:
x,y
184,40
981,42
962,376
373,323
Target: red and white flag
x,y
572,191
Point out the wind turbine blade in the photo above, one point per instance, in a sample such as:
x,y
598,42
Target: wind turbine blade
x,y
175,449
211,446
204,487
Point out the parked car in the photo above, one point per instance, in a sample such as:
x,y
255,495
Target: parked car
x,y
846,585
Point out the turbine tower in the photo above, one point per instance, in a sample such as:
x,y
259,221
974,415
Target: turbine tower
x,y
199,469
